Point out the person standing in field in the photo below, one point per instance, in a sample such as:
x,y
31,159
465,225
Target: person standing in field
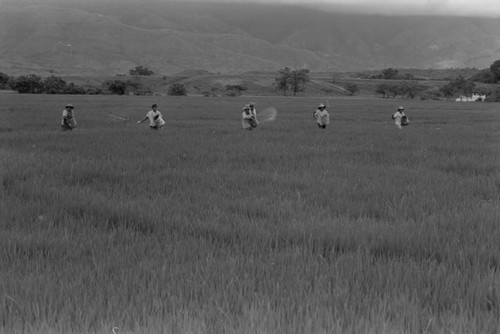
x,y
68,121
253,111
249,118
322,116
400,118
155,118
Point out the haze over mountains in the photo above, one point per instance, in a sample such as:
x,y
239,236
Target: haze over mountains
x,y
108,38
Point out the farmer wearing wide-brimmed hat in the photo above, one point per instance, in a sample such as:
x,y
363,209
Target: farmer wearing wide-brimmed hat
x,y
400,118
322,116
248,118
68,121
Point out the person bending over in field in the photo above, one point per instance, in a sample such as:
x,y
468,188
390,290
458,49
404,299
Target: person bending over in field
x,y
249,118
400,118
68,121
155,118
322,116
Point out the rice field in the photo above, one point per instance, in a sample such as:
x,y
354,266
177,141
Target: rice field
x,y
203,227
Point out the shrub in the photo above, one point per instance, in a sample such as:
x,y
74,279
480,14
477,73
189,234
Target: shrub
x,y
495,95
141,70
54,85
31,84
74,89
234,90
177,89
4,80
117,87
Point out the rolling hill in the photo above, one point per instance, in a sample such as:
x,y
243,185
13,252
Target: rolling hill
x,y
111,37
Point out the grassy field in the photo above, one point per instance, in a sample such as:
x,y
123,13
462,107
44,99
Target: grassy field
x,y
205,228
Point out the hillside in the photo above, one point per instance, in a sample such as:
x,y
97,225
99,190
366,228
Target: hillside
x,y
95,38
321,84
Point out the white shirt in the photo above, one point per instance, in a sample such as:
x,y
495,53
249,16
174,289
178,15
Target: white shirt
x,y
253,111
155,122
69,117
322,117
246,117
397,117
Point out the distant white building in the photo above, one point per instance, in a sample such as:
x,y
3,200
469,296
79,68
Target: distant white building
x,y
474,98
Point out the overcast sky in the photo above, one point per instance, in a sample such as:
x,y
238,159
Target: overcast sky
x,y
437,7
408,7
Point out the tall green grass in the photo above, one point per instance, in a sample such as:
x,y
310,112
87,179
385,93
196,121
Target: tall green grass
x,y
205,228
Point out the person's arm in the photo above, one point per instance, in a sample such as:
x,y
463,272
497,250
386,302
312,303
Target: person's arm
x,y
142,120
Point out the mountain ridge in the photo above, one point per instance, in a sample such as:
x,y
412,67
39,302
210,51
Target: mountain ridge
x,y
93,38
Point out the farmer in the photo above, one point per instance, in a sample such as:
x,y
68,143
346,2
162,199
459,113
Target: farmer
x,y
400,118
253,111
68,121
155,118
322,116
249,118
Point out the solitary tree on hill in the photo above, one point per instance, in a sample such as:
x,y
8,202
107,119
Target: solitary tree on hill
x,y
351,88
298,80
283,80
294,80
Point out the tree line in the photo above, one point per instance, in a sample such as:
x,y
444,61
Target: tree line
x,y
35,84
454,88
407,86
287,80
459,85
